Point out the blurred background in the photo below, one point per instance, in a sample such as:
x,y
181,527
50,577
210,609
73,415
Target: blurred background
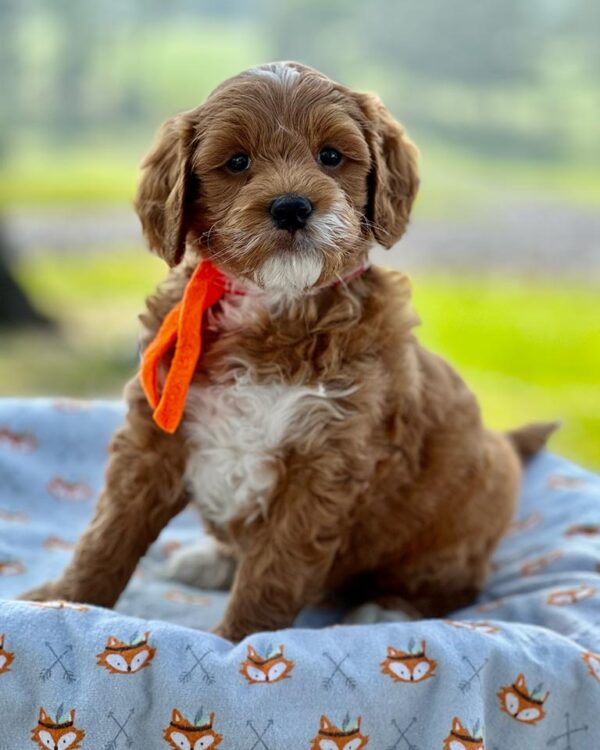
x,y
502,96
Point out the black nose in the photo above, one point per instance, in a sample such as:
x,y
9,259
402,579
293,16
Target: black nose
x,y
290,211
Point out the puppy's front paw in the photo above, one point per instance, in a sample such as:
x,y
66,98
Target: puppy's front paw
x,y
48,592
201,565
228,633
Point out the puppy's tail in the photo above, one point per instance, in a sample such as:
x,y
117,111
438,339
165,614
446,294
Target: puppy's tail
x,y
531,438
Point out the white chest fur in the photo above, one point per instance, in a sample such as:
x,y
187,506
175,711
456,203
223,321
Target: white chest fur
x,y
239,431
238,434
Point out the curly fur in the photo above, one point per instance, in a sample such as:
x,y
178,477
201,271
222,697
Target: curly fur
x,y
324,446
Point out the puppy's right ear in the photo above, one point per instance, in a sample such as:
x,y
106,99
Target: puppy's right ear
x,y
165,189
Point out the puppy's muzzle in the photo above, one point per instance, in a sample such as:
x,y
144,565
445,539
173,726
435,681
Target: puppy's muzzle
x,y
290,211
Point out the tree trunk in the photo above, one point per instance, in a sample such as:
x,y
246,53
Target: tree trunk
x,y
16,310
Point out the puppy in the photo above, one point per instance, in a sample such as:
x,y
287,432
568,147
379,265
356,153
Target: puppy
x,y
322,444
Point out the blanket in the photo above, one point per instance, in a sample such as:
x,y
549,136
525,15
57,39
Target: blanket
x,y
520,668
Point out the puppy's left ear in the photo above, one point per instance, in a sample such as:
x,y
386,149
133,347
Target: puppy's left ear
x,y
394,177
164,190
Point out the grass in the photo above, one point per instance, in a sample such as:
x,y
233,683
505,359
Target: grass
x,y
80,175
530,349
95,299
474,179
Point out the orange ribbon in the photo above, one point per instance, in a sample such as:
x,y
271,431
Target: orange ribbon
x,y
182,327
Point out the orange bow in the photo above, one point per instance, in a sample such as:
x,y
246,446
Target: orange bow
x,y
181,327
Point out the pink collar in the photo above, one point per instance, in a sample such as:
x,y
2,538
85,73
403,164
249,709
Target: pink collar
x,y
352,275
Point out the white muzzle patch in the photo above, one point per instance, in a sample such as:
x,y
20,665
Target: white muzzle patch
x,y
291,271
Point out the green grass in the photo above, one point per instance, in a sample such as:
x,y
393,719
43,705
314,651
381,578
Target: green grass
x,y
96,300
160,69
471,180
87,175
529,349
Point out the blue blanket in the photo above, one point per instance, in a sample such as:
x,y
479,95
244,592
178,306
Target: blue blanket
x,y
518,669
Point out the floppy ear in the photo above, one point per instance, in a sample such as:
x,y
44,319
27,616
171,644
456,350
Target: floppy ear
x,y
394,178
164,189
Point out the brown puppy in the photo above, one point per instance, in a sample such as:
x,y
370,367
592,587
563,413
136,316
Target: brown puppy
x,y
320,441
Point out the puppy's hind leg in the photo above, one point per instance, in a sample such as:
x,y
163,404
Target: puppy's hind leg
x,y
205,565
434,585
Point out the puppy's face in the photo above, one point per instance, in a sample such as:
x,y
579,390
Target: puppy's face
x,y
281,177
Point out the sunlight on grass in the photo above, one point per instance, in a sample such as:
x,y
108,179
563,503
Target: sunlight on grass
x,y
75,176
570,182
96,300
530,349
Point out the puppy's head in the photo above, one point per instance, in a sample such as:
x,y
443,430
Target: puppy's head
x,y
281,177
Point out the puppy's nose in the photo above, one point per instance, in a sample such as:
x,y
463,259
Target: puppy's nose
x,y
290,211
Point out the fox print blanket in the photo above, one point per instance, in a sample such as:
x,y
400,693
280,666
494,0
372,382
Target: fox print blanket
x,y
519,668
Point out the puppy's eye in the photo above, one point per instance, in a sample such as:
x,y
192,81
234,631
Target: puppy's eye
x,y
329,157
238,163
